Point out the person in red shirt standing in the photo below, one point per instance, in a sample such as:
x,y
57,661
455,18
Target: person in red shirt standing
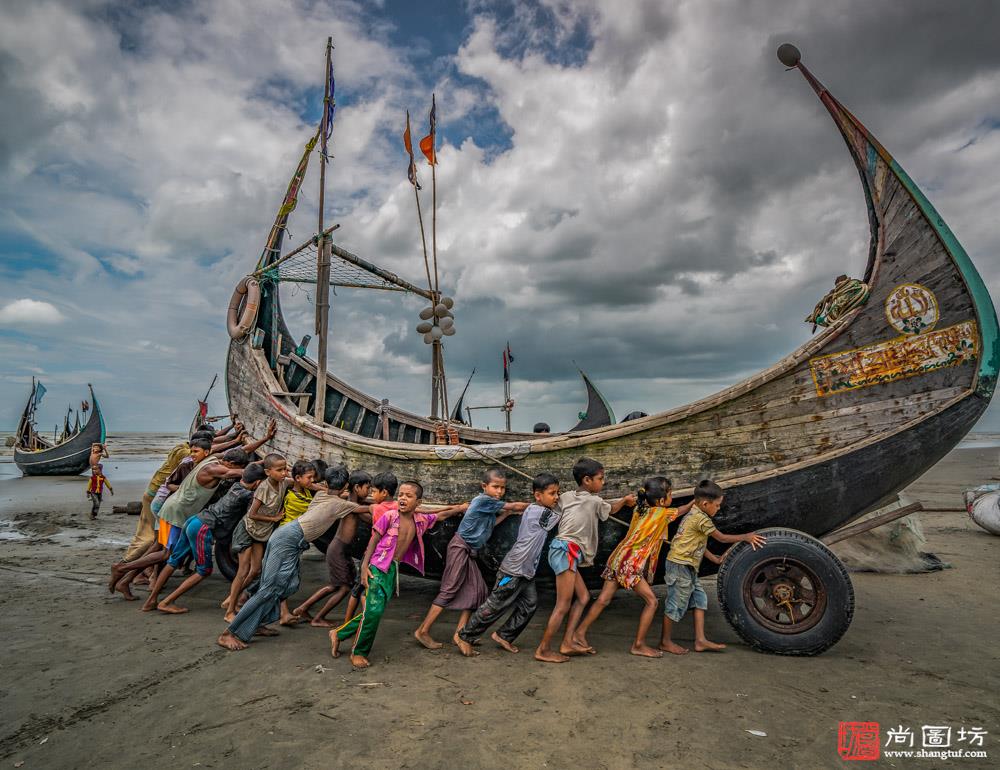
x,y
95,488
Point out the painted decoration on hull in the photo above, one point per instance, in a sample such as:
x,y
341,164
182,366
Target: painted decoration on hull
x,y
895,359
911,309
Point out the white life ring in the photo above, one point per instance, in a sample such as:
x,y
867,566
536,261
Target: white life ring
x,y
239,324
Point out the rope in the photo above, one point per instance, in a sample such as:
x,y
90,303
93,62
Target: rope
x,y
848,294
525,475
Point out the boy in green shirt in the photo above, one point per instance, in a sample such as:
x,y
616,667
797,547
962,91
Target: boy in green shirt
x,y
684,591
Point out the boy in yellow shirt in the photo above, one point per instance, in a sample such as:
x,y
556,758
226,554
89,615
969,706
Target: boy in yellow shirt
x,y
684,591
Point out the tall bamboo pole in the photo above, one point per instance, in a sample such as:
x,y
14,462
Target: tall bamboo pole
x,y
323,256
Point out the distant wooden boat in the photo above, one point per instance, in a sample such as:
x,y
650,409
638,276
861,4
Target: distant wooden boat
x,y
69,455
831,431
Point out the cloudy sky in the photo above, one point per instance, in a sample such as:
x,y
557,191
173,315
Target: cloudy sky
x,y
639,188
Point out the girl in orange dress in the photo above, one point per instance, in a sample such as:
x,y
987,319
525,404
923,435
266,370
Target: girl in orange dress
x,y
633,562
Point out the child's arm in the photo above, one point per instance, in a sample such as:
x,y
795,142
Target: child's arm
x,y
366,561
107,483
253,446
221,445
447,513
622,502
755,540
510,509
681,511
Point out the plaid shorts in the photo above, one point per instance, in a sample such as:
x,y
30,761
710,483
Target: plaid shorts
x,y
684,591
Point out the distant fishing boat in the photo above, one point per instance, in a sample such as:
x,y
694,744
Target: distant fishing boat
x,y
67,454
905,366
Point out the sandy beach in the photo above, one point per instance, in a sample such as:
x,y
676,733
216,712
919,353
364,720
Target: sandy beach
x,y
89,681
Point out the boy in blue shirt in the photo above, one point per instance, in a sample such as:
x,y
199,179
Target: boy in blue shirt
x,y
462,585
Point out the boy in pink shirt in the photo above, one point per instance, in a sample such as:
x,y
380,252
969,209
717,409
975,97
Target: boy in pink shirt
x,y
397,536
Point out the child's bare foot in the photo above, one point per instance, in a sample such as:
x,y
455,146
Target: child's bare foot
x,y
573,649
548,656
142,580
425,639
265,631
116,575
503,642
122,588
171,609
302,613
645,651
704,645
359,661
673,648
149,605
466,648
334,644
224,604
230,642
229,617
289,620
320,623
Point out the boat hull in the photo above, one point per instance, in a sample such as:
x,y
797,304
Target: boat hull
x,y
830,432
69,458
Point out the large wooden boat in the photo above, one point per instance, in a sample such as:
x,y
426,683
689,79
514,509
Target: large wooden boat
x,y
66,455
829,432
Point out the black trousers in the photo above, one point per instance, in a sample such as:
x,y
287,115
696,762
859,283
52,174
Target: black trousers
x,y
510,592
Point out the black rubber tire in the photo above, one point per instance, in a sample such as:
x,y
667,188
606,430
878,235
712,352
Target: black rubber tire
x,y
225,560
837,614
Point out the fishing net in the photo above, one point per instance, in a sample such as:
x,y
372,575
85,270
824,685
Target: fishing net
x,y
300,267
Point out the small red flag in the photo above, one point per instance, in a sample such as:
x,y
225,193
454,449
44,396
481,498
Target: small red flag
x,y
428,142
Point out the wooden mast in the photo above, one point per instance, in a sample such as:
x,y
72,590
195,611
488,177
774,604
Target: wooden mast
x,y
323,254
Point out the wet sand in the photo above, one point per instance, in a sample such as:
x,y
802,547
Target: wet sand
x,y
89,681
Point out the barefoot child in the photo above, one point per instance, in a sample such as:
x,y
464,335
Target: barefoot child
x,y
397,536
684,591
95,487
200,532
462,585
383,494
338,563
633,562
252,533
194,493
575,546
515,585
279,577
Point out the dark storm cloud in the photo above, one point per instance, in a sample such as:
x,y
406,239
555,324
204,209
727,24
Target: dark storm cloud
x,y
652,197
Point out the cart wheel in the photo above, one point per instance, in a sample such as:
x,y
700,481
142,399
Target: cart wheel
x,y
793,596
224,559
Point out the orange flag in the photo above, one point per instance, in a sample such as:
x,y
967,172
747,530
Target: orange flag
x,y
427,143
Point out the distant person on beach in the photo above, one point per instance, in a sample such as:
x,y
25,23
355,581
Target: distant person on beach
x,y
633,562
339,564
201,532
541,427
514,589
97,452
462,585
254,530
397,536
684,591
95,488
279,576
145,538
575,546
